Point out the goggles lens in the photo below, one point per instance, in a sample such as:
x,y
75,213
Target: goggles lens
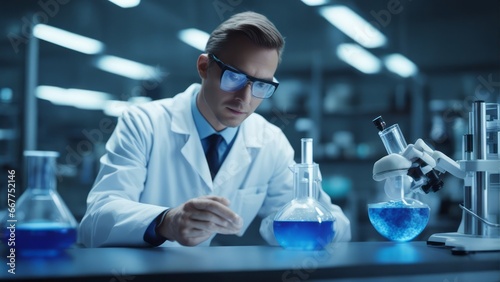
x,y
233,80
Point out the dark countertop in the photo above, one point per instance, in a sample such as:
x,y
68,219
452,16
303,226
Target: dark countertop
x,y
366,261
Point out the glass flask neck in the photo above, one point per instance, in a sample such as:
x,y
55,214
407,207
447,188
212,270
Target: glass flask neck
x,y
306,179
41,170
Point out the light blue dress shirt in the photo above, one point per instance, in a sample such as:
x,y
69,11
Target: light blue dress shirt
x,y
205,129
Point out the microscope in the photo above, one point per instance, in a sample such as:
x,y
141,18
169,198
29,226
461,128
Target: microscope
x,y
479,168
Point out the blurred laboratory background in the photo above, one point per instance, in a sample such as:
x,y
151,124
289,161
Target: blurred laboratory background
x,y
68,68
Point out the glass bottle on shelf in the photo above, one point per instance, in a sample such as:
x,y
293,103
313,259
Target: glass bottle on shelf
x,y
304,223
44,226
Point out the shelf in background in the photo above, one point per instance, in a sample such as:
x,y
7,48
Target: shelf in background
x,y
365,114
8,134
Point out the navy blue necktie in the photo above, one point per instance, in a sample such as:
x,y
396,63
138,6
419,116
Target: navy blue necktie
x,y
213,153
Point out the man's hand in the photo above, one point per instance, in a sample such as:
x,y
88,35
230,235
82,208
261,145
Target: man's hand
x,y
196,220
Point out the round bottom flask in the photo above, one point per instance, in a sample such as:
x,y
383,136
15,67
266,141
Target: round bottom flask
x,y
42,223
399,221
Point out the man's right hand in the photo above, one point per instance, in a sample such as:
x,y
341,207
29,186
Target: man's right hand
x,y
198,219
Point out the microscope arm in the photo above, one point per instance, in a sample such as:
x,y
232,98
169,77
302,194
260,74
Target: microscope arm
x,y
398,164
419,162
445,164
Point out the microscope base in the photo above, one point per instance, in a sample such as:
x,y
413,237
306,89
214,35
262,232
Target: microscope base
x,y
463,243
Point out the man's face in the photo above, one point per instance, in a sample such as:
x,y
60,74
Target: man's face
x,y
229,109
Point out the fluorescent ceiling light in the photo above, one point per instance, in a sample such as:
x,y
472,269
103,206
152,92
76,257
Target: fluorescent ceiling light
x,y
353,26
194,37
115,108
315,2
79,98
400,65
359,58
67,39
126,3
127,68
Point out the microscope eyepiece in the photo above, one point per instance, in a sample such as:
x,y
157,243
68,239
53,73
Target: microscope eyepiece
x,y
379,123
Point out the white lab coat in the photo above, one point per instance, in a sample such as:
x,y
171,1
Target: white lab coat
x,y
154,160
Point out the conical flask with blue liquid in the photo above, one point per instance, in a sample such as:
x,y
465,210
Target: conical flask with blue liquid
x,y
304,223
43,224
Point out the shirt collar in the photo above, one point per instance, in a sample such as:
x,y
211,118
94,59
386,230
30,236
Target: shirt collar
x,y
205,129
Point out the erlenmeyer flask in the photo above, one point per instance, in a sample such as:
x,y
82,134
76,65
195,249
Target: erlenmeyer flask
x,y
304,223
43,224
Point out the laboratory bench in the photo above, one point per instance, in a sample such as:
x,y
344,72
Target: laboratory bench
x,y
352,261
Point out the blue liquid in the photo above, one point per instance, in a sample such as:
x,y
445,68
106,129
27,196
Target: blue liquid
x,y
303,235
398,223
42,239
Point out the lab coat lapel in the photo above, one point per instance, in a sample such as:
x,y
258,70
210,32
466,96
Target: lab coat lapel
x,y
193,152
237,160
183,123
241,155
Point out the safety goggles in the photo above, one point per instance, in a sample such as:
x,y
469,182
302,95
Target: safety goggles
x,y
232,80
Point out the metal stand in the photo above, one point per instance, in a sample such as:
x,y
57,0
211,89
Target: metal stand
x,y
481,210
463,243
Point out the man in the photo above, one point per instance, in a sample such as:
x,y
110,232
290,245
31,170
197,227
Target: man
x,y
155,186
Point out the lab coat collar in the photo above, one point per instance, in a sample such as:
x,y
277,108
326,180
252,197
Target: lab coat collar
x,y
205,129
239,157
183,124
182,118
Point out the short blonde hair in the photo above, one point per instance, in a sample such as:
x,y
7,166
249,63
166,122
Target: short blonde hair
x,y
255,26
